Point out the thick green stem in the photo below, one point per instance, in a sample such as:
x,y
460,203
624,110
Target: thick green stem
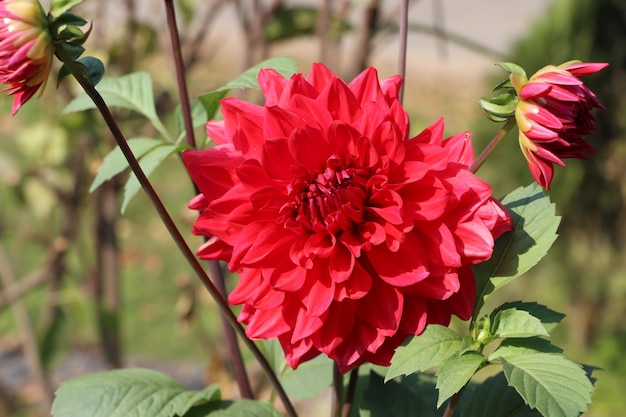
x,y
504,130
169,222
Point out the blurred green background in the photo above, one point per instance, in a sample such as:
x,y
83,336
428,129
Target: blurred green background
x,y
95,289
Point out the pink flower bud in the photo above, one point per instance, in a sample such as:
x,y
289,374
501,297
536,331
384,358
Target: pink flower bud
x,y
25,49
553,114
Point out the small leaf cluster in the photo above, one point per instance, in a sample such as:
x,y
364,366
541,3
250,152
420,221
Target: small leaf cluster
x,y
66,32
502,107
134,92
514,336
143,392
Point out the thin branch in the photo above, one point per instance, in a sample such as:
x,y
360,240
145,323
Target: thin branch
x,y
337,392
497,139
354,378
180,73
403,39
169,223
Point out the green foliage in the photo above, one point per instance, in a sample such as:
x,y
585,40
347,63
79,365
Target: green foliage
x,y
239,408
310,379
512,322
435,345
127,393
148,163
455,372
58,7
133,92
551,383
494,398
548,318
414,396
249,79
291,22
516,252
499,108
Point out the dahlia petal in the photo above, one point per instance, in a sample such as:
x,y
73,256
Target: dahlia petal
x,y
405,267
280,123
366,87
414,315
545,118
339,100
389,304
460,148
585,68
267,324
215,249
213,170
532,90
357,286
305,326
432,134
297,352
341,264
309,148
272,84
318,291
538,132
320,76
391,88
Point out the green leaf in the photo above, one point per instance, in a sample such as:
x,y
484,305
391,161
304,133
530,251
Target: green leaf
x,y
58,7
198,118
512,68
274,354
133,92
249,79
516,347
501,107
127,393
414,396
516,323
311,378
551,383
115,162
94,69
211,102
148,163
455,372
238,408
517,251
549,318
430,349
494,398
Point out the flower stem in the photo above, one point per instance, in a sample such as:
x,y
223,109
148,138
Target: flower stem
x,y
239,369
504,130
102,107
354,378
454,401
337,391
403,39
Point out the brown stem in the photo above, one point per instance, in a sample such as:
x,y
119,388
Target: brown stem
x,y
454,401
354,378
239,369
169,223
403,39
504,130
337,391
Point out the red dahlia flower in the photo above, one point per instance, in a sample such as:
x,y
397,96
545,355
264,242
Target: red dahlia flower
x,y
25,49
347,237
553,114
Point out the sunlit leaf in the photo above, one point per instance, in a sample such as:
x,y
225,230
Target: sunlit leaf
x,y
515,252
115,162
551,383
455,372
127,393
548,317
430,349
515,347
149,162
133,92
516,323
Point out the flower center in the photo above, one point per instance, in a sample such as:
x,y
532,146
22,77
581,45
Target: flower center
x,y
331,202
